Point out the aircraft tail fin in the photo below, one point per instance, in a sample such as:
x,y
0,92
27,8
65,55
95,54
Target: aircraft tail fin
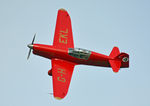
x,y
119,60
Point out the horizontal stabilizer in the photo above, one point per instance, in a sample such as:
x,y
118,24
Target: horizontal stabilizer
x,y
115,65
115,52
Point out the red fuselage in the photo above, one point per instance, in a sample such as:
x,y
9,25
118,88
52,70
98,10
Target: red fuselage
x,y
47,51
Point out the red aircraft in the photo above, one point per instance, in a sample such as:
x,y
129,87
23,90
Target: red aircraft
x,y
64,56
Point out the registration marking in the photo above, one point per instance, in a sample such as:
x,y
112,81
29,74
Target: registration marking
x,y
63,36
62,72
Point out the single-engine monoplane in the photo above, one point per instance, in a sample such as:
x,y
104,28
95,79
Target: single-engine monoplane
x,y
64,56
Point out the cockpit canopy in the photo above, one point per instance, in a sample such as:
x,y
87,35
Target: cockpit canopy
x,y
79,53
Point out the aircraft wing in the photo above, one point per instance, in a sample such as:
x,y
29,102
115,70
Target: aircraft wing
x,y
61,72
63,38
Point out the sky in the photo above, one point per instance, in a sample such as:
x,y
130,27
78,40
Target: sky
x,y
97,25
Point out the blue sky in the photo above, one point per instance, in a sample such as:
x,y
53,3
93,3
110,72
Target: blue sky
x,y
97,25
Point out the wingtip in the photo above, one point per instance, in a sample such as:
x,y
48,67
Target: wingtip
x,y
115,72
62,9
58,98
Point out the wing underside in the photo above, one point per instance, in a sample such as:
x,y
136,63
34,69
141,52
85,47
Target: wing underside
x,y
61,73
63,38
62,70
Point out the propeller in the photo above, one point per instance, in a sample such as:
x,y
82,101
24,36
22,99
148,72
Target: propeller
x,y
30,46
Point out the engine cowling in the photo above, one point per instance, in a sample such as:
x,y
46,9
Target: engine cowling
x,y
50,72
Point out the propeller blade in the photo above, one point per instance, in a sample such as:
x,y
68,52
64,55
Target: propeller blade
x,y
29,54
31,46
33,38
